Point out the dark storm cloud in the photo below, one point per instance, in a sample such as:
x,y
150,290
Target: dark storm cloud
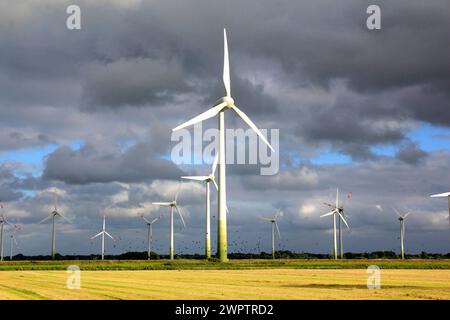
x,y
89,165
152,82
411,154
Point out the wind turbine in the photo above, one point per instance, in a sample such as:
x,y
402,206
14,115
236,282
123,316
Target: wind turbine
x,y
12,241
220,106
53,215
402,218
173,205
337,211
103,233
274,223
207,179
150,232
3,222
444,195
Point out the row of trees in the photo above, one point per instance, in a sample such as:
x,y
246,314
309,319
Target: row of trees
x,y
263,255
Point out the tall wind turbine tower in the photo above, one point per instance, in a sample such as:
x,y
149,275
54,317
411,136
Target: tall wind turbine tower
x,y
221,105
207,179
337,212
274,224
173,206
3,222
150,233
103,233
12,242
53,215
402,218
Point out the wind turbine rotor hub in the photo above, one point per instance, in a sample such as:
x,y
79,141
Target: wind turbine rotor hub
x,y
229,101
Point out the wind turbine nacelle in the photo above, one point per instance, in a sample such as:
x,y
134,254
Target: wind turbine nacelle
x,y
228,100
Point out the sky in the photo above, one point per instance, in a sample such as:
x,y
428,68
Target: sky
x,y
87,115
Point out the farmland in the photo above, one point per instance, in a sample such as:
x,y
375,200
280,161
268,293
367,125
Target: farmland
x,y
242,279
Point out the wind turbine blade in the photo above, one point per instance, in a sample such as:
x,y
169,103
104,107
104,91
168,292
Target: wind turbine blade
x,y
110,235
98,234
203,116
145,219
226,64
55,201
214,165
337,197
398,213
328,213
181,216
59,214
250,123
15,241
197,178
343,219
278,230
279,213
7,222
264,218
154,220
406,214
162,203
328,204
440,195
215,184
45,219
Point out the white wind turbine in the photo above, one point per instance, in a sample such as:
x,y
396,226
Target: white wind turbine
x,y
173,205
339,212
53,215
103,233
3,222
207,179
274,223
444,195
220,106
402,218
12,242
150,233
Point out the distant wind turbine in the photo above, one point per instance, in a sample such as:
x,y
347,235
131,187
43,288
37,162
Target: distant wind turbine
x,y
173,205
103,233
150,233
221,105
339,212
3,222
402,218
207,179
274,223
53,215
12,241
444,195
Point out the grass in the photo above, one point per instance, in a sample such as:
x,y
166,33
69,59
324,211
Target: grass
x,y
227,284
232,265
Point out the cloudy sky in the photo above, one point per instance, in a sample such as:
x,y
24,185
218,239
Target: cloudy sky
x,y
87,114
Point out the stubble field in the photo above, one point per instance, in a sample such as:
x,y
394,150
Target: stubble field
x,y
251,279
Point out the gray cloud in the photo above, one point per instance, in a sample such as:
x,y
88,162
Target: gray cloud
x,y
89,165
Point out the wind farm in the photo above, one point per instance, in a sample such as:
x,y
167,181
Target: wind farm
x,y
145,129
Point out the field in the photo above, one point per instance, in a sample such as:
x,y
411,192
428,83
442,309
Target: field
x,y
241,279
